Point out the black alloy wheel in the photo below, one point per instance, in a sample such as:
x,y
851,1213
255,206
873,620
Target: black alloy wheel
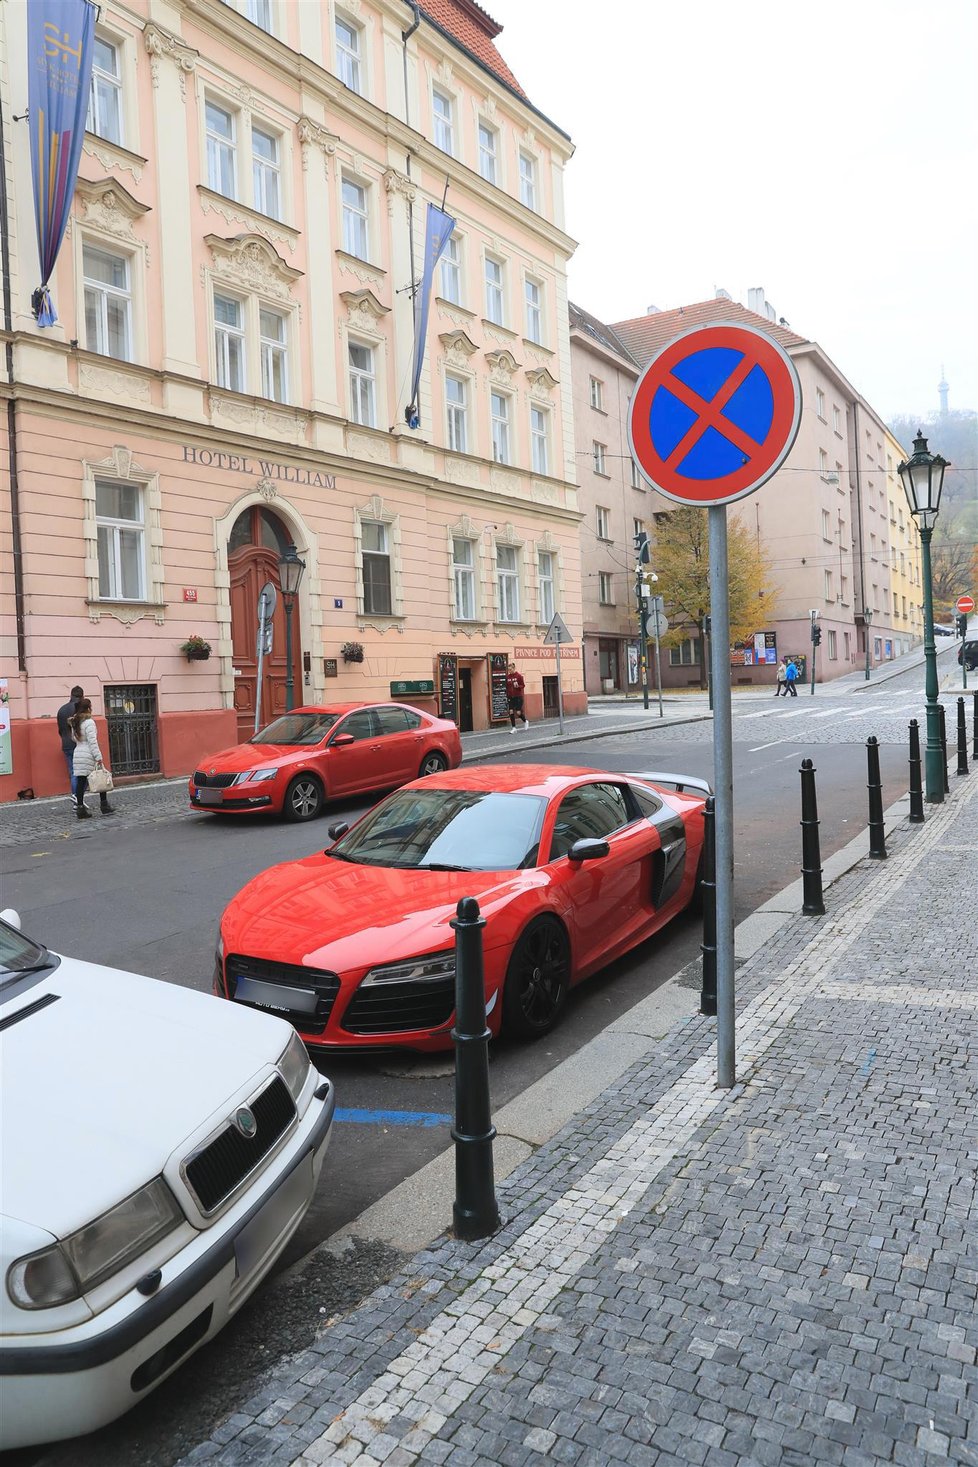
x,y
537,979
432,763
303,798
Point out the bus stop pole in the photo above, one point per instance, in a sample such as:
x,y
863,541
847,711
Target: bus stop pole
x,y
723,795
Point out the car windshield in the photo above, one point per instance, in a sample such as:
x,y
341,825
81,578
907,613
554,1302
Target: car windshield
x,y
448,829
19,955
297,728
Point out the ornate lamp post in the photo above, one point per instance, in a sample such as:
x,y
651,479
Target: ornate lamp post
x,y
290,572
922,476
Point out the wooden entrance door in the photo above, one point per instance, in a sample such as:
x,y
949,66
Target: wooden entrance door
x,y
257,540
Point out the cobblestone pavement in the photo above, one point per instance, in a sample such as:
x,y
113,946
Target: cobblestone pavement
x,y
784,1273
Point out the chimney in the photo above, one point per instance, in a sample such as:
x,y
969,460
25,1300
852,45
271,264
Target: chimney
x,y
652,310
722,295
759,304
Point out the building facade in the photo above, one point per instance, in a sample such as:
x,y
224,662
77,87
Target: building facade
x,y
230,371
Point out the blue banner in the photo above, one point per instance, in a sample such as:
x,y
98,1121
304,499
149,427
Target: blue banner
x,y
60,36
438,230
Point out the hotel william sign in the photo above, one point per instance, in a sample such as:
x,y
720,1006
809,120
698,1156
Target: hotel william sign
x,y
261,468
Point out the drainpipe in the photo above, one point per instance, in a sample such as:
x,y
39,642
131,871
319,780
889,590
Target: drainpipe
x,y
15,536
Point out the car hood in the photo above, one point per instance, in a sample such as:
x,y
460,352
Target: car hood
x,y
251,756
103,1084
325,913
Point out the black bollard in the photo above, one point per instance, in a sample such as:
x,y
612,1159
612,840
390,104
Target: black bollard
x,y
974,727
811,859
947,786
708,947
877,835
962,739
916,790
475,1213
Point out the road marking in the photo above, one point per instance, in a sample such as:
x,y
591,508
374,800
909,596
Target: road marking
x,y
356,1117
758,747
745,716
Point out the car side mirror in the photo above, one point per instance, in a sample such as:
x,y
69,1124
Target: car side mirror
x,y
335,831
341,741
588,849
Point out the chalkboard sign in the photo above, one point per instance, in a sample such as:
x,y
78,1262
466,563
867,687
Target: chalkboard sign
x,y
448,685
498,662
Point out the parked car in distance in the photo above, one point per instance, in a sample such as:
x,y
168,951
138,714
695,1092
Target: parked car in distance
x,y
315,754
158,1151
571,868
968,654
942,631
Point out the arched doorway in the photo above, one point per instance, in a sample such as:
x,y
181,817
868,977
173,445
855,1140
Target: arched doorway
x,y
258,537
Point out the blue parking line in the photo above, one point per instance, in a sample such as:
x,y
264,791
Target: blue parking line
x,y
355,1116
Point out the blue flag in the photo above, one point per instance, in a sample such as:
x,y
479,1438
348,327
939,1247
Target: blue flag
x,y
438,230
60,36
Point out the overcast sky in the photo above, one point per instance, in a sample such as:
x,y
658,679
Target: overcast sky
x,y
828,153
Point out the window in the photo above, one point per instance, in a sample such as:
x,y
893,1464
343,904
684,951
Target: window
x,y
823,462
229,342
545,585
838,475
820,403
463,577
508,582
456,400
375,540
266,173
499,423
108,303
636,476
105,95
534,311
362,385
528,181
274,357
844,590
597,393
221,150
826,525
847,646
872,546
836,419
120,532
451,272
487,152
260,13
540,440
638,528
355,219
603,518
606,594
396,720
591,812
827,584
348,65
687,654
494,290
833,646
441,108
597,455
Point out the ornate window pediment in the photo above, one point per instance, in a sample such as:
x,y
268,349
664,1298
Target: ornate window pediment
x,y
363,307
110,206
502,364
251,263
542,379
458,346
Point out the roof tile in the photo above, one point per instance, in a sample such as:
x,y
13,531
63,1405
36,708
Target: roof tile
x,y
475,31
645,335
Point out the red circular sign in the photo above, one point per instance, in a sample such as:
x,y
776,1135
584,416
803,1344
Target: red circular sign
x,y
714,414
965,604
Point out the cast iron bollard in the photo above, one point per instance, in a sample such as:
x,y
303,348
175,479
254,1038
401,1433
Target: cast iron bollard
x,y
974,727
877,835
947,786
916,790
811,858
474,1213
708,947
962,739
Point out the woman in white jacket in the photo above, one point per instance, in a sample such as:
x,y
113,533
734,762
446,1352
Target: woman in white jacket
x,y
86,756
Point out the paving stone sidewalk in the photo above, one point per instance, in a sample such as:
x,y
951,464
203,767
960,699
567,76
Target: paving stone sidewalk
x,y
786,1273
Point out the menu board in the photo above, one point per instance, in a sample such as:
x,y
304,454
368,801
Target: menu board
x,y
498,663
448,685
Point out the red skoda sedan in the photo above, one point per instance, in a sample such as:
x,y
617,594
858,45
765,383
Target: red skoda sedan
x,y
312,755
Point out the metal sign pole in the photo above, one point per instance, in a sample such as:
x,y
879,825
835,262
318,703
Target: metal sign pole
x,y
658,664
261,657
723,794
560,691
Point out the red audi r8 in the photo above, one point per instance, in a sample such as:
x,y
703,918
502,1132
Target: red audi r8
x,y
313,754
571,868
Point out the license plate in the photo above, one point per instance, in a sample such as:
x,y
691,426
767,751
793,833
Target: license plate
x,y
275,996
267,1226
210,797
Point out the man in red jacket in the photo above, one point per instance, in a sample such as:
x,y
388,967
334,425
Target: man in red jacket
x,y
514,694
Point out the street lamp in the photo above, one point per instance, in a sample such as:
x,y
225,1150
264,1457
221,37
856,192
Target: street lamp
x,y
290,571
922,476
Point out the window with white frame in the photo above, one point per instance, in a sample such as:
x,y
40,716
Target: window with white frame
x,y
528,180
349,66
266,172
487,152
540,440
826,525
442,112
221,132
108,303
120,530
533,294
273,349
836,418
376,553
844,590
259,12
827,584
606,593
494,290
355,232
105,92
638,528
457,411
637,482
451,271
602,517
833,646
596,387
820,403
499,425
508,582
546,582
229,342
463,579
363,385
823,462
598,457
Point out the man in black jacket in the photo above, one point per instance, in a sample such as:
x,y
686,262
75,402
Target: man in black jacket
x,y
64,729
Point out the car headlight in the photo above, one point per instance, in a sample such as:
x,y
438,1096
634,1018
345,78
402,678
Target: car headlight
x,y
66,1270
255,776
415,970
293,1064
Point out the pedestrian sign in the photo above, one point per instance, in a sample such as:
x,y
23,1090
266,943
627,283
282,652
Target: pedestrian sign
x,y
714,414
557,631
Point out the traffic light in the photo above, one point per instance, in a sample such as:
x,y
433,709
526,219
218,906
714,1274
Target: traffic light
x,y
641,542
961,624
816,634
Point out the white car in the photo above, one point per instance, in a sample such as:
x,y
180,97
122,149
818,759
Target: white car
x,y
159,1149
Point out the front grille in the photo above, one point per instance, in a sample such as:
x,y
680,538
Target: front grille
x,y
389,1008
325,986
213,781
219,1167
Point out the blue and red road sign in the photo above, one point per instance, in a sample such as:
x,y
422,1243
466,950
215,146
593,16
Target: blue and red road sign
x,y
714,414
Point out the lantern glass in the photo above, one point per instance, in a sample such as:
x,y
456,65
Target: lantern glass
x,y
290,571
922,476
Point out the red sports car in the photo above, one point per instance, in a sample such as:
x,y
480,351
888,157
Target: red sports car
x,y
571,867
314,754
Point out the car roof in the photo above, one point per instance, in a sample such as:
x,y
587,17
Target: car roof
x,y
547,780
341,708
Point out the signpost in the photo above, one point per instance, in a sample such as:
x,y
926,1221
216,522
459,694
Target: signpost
x,y
964,606
659,623
712,417
267,601
556,634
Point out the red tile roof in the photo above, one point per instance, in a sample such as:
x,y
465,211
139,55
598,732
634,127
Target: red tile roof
x,y
644,335
475,31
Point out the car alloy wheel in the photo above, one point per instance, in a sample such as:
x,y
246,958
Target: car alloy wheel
x,y
303,798
537,979
432,763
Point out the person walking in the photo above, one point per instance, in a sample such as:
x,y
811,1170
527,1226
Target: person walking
x,y
781,687
87,756
64,729
791,677
515,692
